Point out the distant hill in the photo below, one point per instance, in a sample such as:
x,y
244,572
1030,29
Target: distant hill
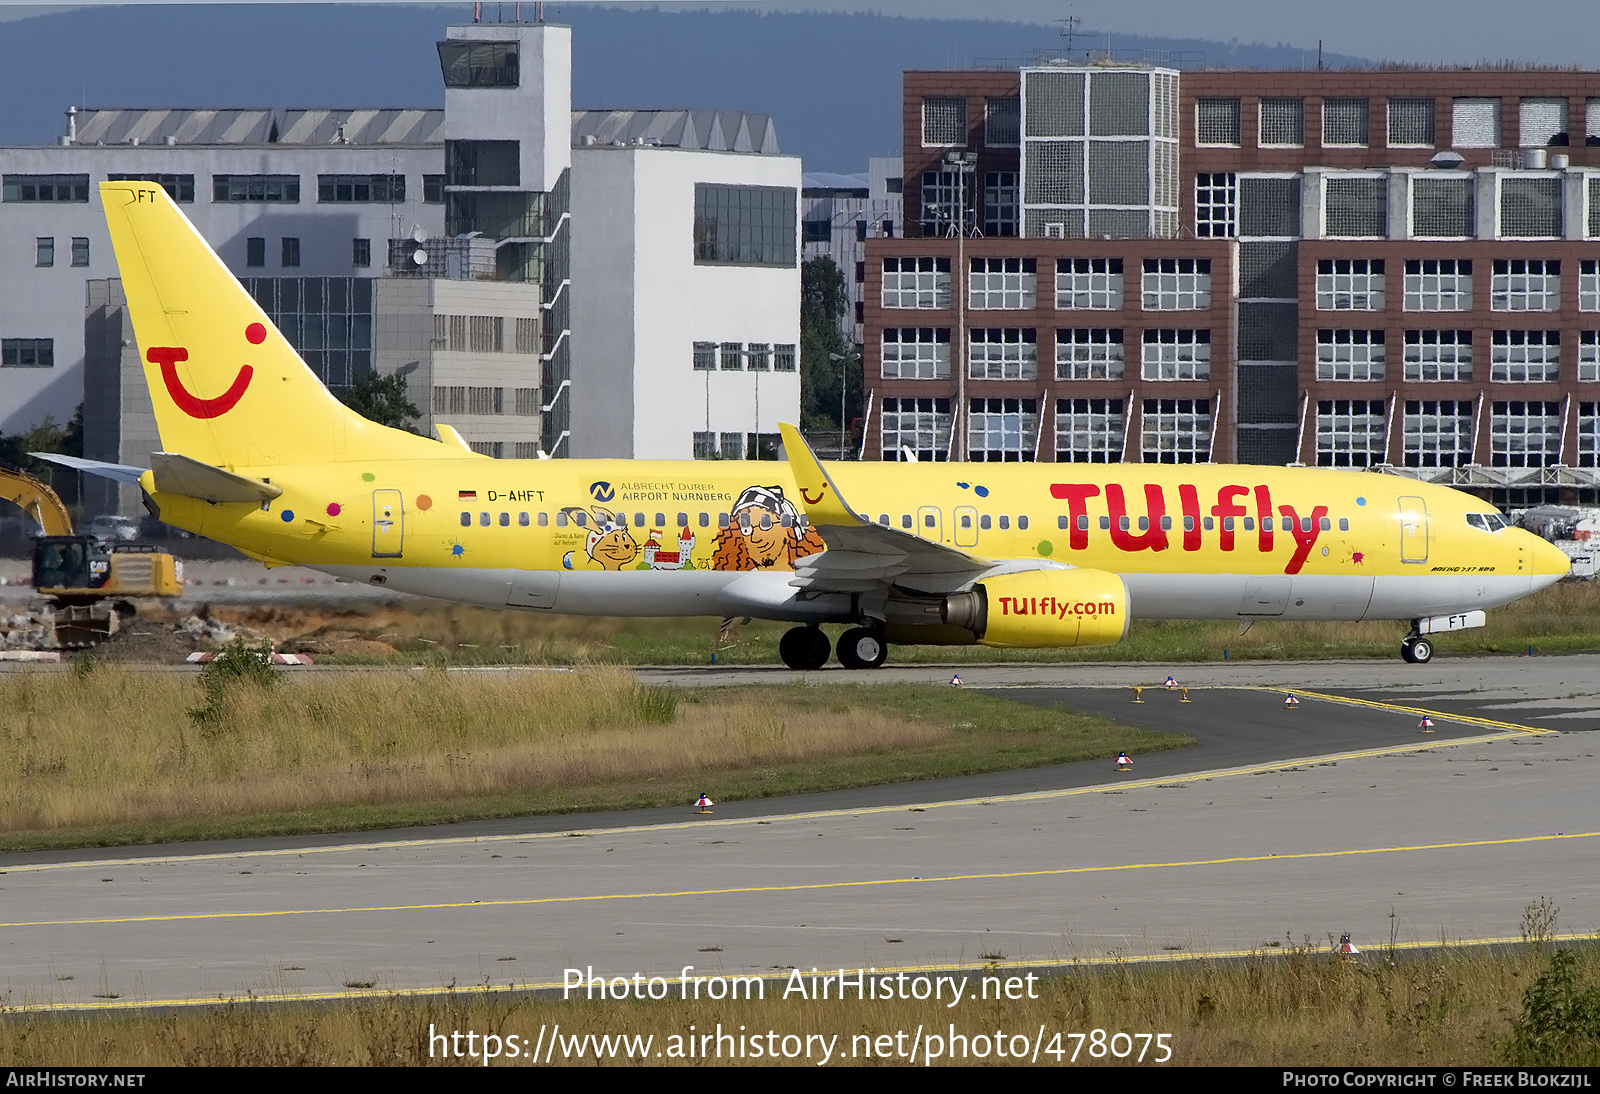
x,y
832,82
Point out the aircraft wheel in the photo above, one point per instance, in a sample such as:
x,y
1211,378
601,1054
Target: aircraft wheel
x,y
1421,651
804,648
860,648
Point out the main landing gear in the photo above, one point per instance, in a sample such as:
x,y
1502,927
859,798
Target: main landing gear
x,y
806,648
1415,649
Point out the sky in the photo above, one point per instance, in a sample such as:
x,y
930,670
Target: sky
x,y
1561,32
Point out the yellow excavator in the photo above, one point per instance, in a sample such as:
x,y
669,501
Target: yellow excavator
x,y
76,570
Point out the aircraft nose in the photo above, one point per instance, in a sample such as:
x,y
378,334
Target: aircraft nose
x,y
1547,563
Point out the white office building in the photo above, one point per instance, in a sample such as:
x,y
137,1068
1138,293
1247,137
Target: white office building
x,y
450,247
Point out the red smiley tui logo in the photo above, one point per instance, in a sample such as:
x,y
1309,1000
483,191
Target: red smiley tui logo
x,y
194,406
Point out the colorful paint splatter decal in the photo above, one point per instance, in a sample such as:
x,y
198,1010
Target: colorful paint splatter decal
x,y
287,515
368,476
981,491
424,502
334,509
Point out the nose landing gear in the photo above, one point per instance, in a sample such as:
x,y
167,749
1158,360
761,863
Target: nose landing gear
x,y
1416,650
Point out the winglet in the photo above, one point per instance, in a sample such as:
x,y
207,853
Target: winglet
x,y
819,497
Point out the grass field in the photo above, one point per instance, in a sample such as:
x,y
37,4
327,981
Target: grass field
x,y
105,755
1563,618
1449,1007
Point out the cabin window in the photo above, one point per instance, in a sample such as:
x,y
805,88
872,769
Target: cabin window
x,y
661,520
1227,524
483,519
1105,523
1022,523
983,521
966,520
705,520
522,520
1166,524
466,520
1305,524
883,519
1144,524
505,520
1122,522
1208,523
561,520
905,520
544,520
1005,522
929,520
722,520
1250,523
1326,524
1083,523
1061,522
581,519
1344,524
1188,524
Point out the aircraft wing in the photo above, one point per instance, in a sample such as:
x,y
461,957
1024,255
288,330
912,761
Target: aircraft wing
x,y
863,556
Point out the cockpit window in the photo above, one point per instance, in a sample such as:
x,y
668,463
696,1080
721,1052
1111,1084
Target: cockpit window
x,y
1486,522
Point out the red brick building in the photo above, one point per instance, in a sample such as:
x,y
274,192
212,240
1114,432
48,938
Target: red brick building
x,y
1353,268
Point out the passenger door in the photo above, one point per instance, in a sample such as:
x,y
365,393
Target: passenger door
x,y
966,518
1413,530
930,523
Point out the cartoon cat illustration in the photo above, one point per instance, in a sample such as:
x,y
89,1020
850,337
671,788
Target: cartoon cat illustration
x,y
609,545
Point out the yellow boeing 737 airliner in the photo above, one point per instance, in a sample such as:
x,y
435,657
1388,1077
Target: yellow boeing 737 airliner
x,y
259,455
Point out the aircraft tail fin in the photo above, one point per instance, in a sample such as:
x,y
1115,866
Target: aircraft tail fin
x,y
819,495
228,388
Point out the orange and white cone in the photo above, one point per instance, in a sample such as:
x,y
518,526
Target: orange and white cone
x,y
1170,683
1291,701
1123,763
1426,725
1346,946
703,804
955,681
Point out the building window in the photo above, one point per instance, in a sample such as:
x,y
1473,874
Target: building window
x,y
1002,203
759,355
1350,284
922,425
916,283
705,356
44,251
1002,122
80,250
1411,123
944,121
53,188
1475,123
732,356
1177,284
1349,432
1525,356
433,189
1443,208
527,336
1594,189
1177,355
1525,285
328,320
486,334
1089,354
1437,433
27,352
784,357
1002,283
705,446
1444,355
744,225
1003,353
1269,207
1439,284
916,353
1002,430
479,64
255,251
1176,430
1524,434
731,446
1216,121
1589,355
1530,208
941,195
273,188
1349,354
1089,283
1344,123
361,253
482,163
342,188
291,251
1357,207
1216,201
816,231
1283,123
486,400
1588,434
1543,122
527,402
180,188
1089,430
1589,284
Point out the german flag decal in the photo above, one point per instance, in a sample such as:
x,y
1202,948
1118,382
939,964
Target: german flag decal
x,y
467,495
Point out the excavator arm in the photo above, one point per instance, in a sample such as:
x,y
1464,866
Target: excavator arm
x,y
37,500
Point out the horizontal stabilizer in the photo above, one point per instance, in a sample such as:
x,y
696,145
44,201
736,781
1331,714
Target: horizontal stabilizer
x,y
121,472
175,474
